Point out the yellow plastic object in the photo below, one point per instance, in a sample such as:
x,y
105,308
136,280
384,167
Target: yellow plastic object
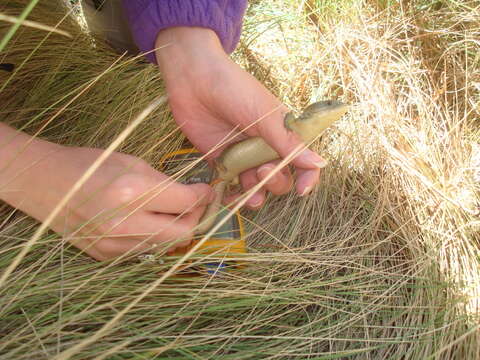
x,y
229,239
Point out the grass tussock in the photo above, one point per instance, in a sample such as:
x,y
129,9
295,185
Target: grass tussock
x,y
381,262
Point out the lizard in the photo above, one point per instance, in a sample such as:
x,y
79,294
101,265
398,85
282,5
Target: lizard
x,y
254,151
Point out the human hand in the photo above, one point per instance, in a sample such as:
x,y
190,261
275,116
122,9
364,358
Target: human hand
x,y
125,206
212,97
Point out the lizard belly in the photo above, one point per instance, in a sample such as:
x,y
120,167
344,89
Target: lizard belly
x,y
243,156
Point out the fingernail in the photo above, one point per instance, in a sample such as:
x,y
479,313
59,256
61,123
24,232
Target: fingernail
x,y
264,172
256,200
311,157
322,163
306,191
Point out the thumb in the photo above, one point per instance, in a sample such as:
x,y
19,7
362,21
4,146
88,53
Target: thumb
x,y
176,198
204,194
284,141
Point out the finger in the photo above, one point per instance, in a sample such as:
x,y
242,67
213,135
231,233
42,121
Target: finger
x,y
176,198
284,141
87,247
109,248
249,179
306,181
193,219
154,228
180,229
280,183
114,247
157,193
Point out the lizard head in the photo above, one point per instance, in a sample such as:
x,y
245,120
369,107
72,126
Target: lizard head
x,y
329,110
316,118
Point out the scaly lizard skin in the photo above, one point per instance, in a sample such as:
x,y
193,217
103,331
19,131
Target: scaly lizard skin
x,y
254,151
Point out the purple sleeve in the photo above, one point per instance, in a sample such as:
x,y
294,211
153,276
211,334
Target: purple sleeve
x,y
147,17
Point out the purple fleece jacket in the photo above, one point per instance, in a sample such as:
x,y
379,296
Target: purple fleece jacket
x,y
147,17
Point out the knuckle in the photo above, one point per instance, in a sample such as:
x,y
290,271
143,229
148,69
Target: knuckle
x,y
182,241
106,246
127,188
181,232
106,227
115,227
186,232
180,228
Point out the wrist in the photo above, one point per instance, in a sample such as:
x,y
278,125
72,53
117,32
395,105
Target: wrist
x,y
21,158
188,50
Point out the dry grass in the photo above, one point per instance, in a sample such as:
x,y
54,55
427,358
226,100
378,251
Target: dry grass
x,y
381,262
